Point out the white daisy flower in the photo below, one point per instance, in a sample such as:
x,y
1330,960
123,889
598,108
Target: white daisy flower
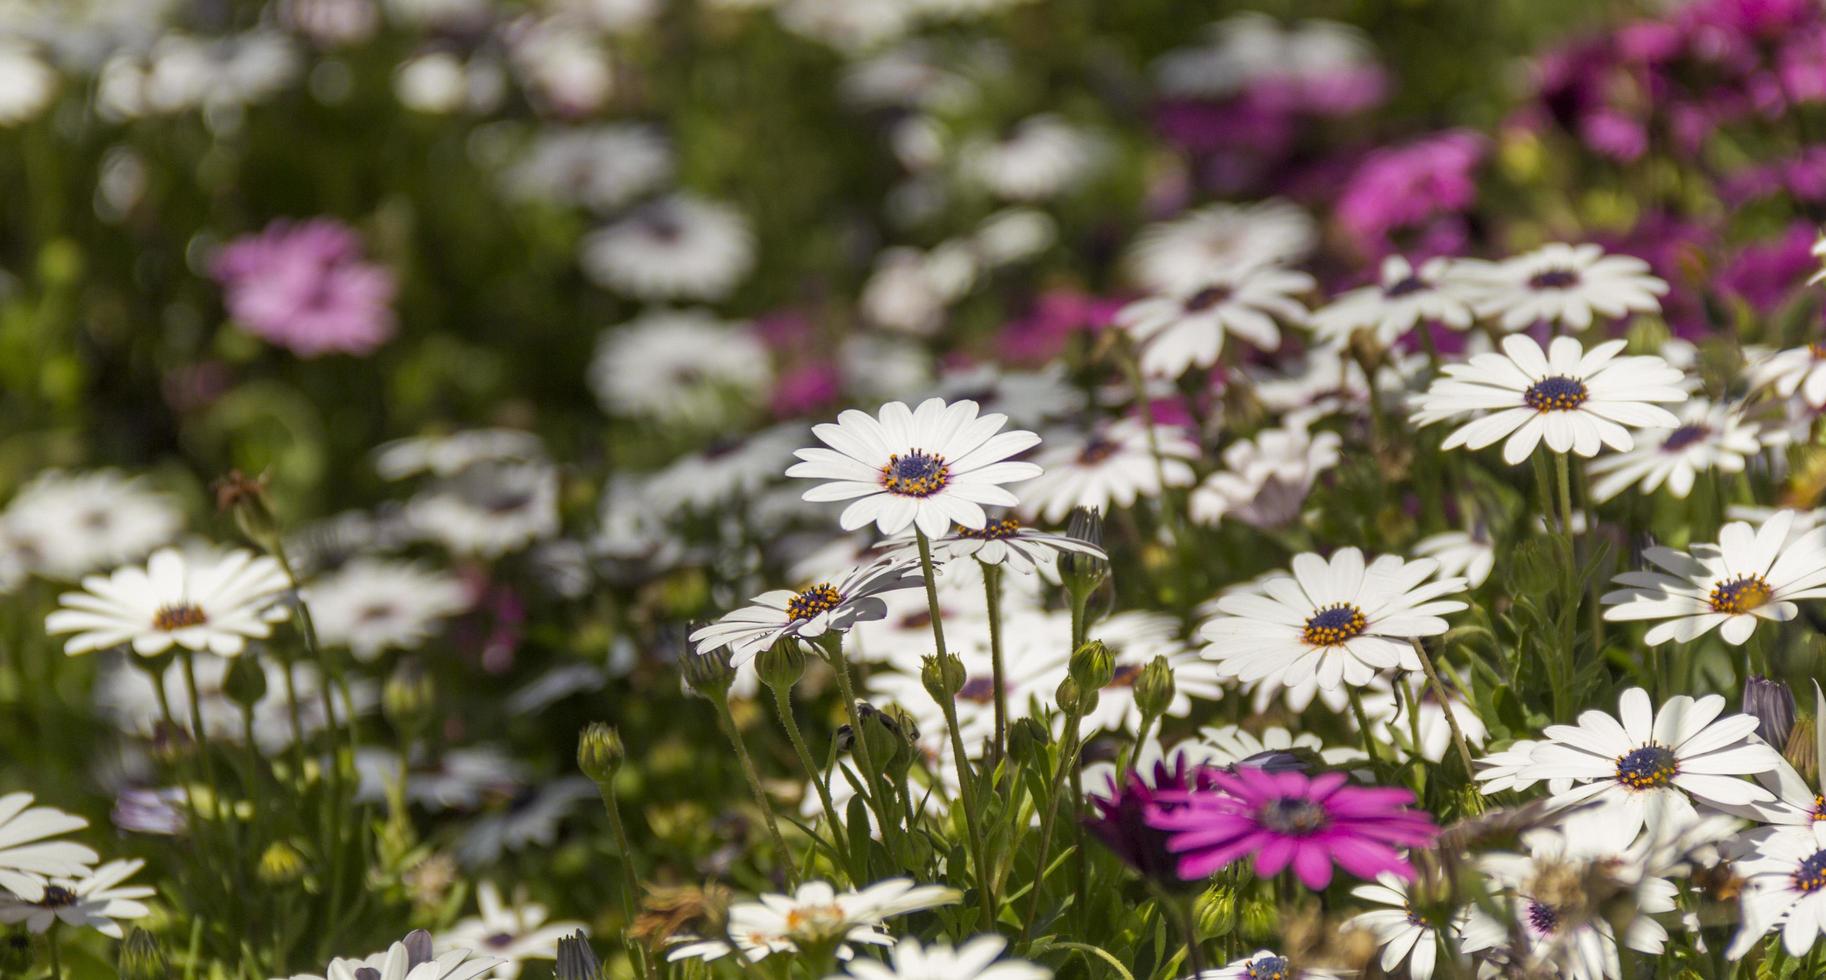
x,y
1649,767
1038,158
1564,284
1337,621
1401,934
29,858
1254,48
1513,769
489,510
1326,380
1005,542
975,960
808,613
851,26
596,167
929,468
1471,554
410,959
454,779
1110,467
208,604
816,913
680,247
1177,255
1266,964
515,933
26,83
1751,574
1026,397
1709,437
66,525
1186,328
679,366
372,604
448,454
910,290
1233,745
727,470
94,900
1786,890
1266,478
1575,400
1401,299
1819,253
1797,370
530,819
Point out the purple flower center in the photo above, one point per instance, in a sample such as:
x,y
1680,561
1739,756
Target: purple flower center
x,y
978,689
1269,968
1206,298
822,597
1097,450
1333,625
500,940
1740,595
1406,287
1543,918
1554,279
917,474
1809,877
1683,437
1650,767
57,896
1556,394
1294,815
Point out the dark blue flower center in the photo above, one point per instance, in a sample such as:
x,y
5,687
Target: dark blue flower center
x,y
1333,625
1811,875
917,474
1269,968
1543,918
1740,595
1408,286
1554,279
978,689
1650,767
1683,437
1206,298
1556,394
1293,815
1097,450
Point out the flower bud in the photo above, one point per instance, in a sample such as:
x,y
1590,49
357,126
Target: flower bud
x,y
409,699
782,664
1074,699
1083,572
281,863
1259,920
885,740
141,958
245,684
1771,703
1214,912
1154,689
245,497
599,752
1093,666
709,672
901,722
1027,740
943,675
576,960
1534,567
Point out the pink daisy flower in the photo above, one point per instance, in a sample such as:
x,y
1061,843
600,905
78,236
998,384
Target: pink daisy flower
x,y
1289,818
305,287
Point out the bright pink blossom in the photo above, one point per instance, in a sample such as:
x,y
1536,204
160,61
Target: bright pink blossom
x,y
305,287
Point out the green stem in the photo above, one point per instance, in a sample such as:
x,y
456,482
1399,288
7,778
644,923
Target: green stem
x,y
859,745
973,815
1068,750
630,882
51,939
992,596
1100,953
721,701
783,702
1363,723
1445,704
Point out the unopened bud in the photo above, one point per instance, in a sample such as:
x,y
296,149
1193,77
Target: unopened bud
x,y
1214,912
1084,571
576,960
709,672
1259,921
245,498
141,958
600,752
943,675
281,863
1027,740
245,684
782,664
1771,703
1093,666
1075,699
1154,689
409,698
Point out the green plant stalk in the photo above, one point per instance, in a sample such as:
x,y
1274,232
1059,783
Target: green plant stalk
x,y
871,775
1445,705
630,884
973,814
784,704
1363,723
1169,514
992,597
1068,750
51,940
727,720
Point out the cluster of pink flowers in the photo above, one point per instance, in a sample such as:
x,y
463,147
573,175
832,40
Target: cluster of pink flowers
x,y
305,287
1410,198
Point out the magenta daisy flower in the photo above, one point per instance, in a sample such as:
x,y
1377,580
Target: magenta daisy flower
x,y
305,287
1289,818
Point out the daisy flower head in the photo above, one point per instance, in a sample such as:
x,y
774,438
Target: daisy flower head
x,y
809,613
1402,298
599,167
65,525
1109,467
1513,769
974,960
410,959
1647,768
1266,964
208,603
1400,933
1471,553
816,914
1338,621
1004,542
928,468
1573,399
1564,284
1290,820
1178,254
1185,328
1785,890
1797,370
1265,479
679,247
489,510
373,604
29,856
94,900
679,366
1709,438
514,932
1750,574
451,453
1038,158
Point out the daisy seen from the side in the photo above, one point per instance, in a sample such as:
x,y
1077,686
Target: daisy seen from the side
x,y
809,613
96,900
1750,574
1709,438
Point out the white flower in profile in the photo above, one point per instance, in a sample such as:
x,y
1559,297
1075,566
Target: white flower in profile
x,y
1564,284
929,468
1797,370
1574,400
1401,933
514,932
808,613
1266,478
1186,328
679,247
1004,542
1751,574
451,453
1471,553
1402,298
816,913
29,857
1512,769
65,525
197,603
1111,466
974,960
1709,438
1039,157
1785,889
1649,768
1234,745
373,604
679,366
94,900
1336,621
1178,254
409,959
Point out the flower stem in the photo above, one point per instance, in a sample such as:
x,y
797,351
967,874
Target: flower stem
x,y
630,882
859,745
973,814
992,595
783,702
1068,750
1445,705
1363,723
51,939
721,701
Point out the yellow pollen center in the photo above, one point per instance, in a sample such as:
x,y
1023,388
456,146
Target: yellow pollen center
x,y
1007,527
916,474
1740,595
822,597
178,616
